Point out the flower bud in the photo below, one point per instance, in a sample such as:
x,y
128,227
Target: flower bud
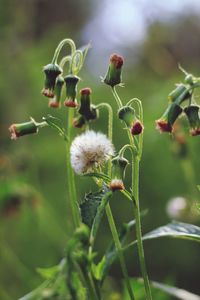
x,y
87,110
55,102
165,123
79,122
71,82
189,78
127,114
51,72
137,128
192,113
18,130
179,94
119,165
113,75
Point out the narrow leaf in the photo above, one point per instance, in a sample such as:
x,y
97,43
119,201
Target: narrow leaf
x,y
176,292
175,230
98,175
56,124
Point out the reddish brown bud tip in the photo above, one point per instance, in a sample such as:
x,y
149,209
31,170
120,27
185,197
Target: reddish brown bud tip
x,y
86,91
13,132
195,132
163,126
137,128
117,60
54,104
70,103
47,93
116,184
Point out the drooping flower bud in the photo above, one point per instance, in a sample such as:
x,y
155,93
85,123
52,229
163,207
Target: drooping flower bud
x,y
119,165
113,75
18,130
165,123
55,102
51,72
179,94
137,128
192,113
87,110
79,122
71,82
127,114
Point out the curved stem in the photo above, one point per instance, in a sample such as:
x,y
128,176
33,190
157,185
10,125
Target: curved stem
x,y
135,193
77,62
64,60
60,46
110,215
70,174
116,96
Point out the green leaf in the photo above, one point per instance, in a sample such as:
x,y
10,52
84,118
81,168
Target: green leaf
x,y
90,206
98,269
175,230
56,124
176,292
49,273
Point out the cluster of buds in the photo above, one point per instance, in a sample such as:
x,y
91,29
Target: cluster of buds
x,y
119,164
177,97
87,111
128,115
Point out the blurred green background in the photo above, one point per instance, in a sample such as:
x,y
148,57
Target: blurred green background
x,y
35,215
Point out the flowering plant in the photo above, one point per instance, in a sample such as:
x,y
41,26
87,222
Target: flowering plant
x,y
92,154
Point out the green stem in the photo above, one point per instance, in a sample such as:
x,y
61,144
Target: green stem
x,y
109,212
70,174
119,250
135,190
60,46
116,96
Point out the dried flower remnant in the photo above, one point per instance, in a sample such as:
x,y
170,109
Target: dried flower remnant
x,y
90,150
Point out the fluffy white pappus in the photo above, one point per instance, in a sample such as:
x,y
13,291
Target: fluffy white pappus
x,y
89,150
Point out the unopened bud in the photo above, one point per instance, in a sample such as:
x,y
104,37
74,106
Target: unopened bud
x,y
127,114
180,93
71,82
119,165
165,123
51,72
55,102
87,110
18,130
137,128
192,113
113,75
79,122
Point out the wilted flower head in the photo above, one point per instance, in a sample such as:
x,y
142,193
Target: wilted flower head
x,y
89,150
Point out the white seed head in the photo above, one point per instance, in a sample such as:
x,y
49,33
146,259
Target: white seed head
x,y
89,150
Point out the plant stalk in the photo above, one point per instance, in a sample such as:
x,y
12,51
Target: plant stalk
x,y
70,174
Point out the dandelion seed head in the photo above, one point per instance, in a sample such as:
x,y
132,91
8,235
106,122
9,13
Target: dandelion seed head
x,y
89,150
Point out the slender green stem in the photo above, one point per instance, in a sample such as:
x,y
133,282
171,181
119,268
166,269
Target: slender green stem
x,y
136,206
70,175
60,46
119,250
135,190
109,212
116,96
